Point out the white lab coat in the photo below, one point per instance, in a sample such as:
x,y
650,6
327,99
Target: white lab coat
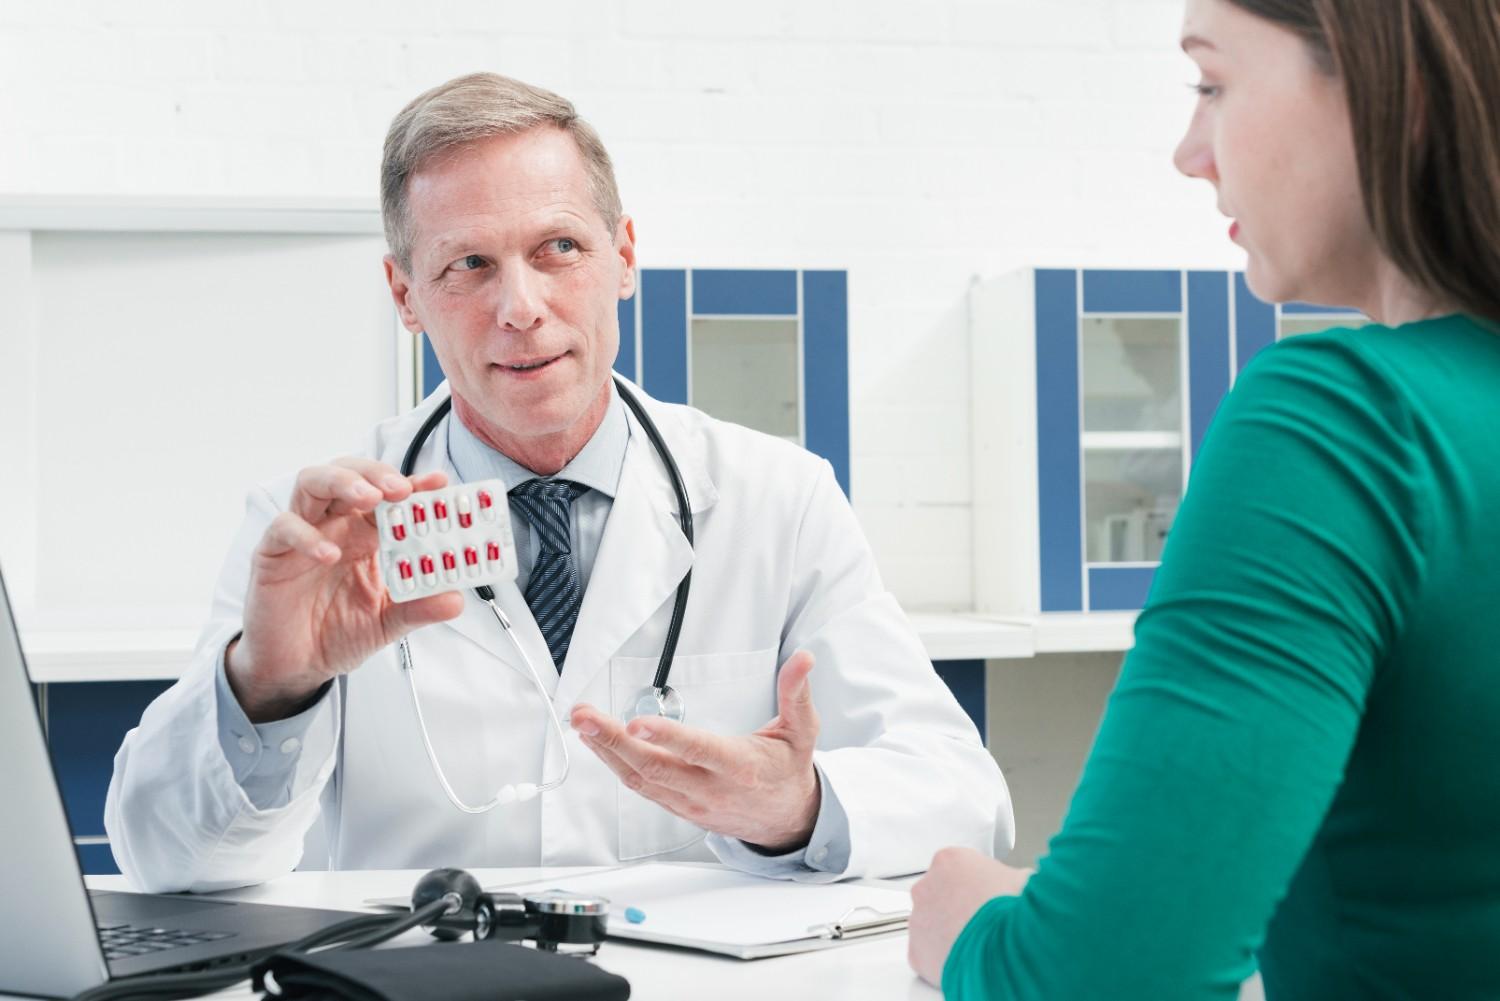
x,y
780,564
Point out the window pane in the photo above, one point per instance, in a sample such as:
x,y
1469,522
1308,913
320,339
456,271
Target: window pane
x,y
745,371
1132,374
1130,499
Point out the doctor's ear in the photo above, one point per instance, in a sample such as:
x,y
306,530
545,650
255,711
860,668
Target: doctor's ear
x,y
400,285
625,246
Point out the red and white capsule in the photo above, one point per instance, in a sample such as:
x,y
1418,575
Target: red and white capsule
x,y
405,580
471,561
398,529
450,566
440,514
492,552
428,568
465,511
419,518
486,506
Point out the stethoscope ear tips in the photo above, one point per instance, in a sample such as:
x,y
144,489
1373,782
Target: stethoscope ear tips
x,y
518,793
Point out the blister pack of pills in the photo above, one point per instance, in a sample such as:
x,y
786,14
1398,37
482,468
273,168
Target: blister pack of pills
x,y
444,540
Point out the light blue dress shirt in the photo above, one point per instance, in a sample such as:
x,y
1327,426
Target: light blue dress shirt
x,y
597,466
264,756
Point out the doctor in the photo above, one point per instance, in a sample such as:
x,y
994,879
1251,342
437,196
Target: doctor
x,y
292,738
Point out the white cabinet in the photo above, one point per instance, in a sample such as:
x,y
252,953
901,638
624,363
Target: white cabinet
x,y
1092,391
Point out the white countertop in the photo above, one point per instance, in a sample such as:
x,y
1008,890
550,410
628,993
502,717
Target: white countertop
x,y
56,655
865,970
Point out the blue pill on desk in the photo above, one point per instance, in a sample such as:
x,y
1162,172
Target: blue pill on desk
x,y
634,915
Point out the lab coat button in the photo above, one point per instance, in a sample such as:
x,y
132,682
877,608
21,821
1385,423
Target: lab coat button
x,y
290,744
247,745
820,854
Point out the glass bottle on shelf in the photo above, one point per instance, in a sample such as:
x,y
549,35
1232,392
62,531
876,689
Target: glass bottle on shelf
x,y
1132,435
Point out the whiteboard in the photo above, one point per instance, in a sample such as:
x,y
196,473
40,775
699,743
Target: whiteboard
x,y
152,378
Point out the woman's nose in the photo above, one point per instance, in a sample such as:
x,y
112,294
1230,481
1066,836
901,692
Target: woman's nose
x,y
1194,155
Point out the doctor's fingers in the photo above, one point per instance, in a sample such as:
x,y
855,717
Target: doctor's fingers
x,y
354,484
796,716
691,807
400,619
640,765
692,745
290,535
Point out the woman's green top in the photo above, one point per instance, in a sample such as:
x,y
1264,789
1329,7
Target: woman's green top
x,y
1300,763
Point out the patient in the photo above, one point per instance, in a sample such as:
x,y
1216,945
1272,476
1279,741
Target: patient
x,y
1299,764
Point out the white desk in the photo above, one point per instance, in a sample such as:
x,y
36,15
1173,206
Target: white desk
x,y
870,970
860,971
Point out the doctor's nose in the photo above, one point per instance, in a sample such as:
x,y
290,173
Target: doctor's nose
x,y
520,303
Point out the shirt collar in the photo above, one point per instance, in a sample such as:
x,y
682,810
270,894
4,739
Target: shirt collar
x,y
597,466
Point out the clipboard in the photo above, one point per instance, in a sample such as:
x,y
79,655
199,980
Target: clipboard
x,y
719,910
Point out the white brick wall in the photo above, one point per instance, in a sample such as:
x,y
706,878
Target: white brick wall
x,y
916,145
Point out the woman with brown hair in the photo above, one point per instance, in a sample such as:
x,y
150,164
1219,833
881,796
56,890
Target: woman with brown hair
x,y
1301,761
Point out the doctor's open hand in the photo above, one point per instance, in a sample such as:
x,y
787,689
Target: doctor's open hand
x,y
316,606
760,788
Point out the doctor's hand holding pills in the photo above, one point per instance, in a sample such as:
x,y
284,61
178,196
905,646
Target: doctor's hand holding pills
x,y
316,606
760,788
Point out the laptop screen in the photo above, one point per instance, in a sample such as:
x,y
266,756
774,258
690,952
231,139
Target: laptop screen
x,y
49,945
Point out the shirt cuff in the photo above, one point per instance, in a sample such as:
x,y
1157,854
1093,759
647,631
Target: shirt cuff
x,y
262,756
824,858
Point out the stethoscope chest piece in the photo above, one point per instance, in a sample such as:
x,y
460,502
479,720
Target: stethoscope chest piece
x,y
650,701
568,922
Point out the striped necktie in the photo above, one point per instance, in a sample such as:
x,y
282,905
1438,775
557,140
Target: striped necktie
x,y
553,591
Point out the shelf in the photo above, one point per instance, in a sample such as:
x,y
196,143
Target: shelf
x,y
107,655
1084,632
1130,441
967,636
55,656
50,213
973,636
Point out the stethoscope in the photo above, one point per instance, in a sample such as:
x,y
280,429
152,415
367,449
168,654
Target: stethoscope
x,y
658,699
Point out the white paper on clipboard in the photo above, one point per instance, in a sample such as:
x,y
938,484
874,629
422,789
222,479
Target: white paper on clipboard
x,y
727,912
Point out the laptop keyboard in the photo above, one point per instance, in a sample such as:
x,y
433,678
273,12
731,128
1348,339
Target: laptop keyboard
x,y
124,941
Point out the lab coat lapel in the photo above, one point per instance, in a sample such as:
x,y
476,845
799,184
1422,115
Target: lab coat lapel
x,y
642,557
477,623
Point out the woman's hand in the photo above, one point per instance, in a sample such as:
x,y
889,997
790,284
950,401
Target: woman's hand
x,y
959,882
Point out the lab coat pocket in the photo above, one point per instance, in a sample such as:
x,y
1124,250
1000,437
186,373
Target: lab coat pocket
x,y
725,693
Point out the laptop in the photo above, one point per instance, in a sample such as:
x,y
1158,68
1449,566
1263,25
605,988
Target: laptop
x,y
56,938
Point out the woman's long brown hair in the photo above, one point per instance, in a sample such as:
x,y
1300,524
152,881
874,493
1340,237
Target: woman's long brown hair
x,y
1422,79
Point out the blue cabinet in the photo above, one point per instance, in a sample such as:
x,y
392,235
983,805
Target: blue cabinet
x,y
1092,393
765,348
86,723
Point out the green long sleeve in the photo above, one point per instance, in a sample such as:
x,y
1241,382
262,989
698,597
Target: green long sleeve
x,y
1298,765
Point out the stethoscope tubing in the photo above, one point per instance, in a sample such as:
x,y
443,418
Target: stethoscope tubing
x,y
523,791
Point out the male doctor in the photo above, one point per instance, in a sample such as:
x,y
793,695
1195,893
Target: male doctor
x,y
293,736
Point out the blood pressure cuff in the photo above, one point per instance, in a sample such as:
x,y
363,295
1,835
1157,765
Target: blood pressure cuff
x,y
460,971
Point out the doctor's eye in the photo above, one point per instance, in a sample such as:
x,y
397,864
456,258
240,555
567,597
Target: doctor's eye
x,y
1205,91
472,262
563,244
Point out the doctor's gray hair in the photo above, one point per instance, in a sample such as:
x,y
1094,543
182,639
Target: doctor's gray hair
x,y
468,109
